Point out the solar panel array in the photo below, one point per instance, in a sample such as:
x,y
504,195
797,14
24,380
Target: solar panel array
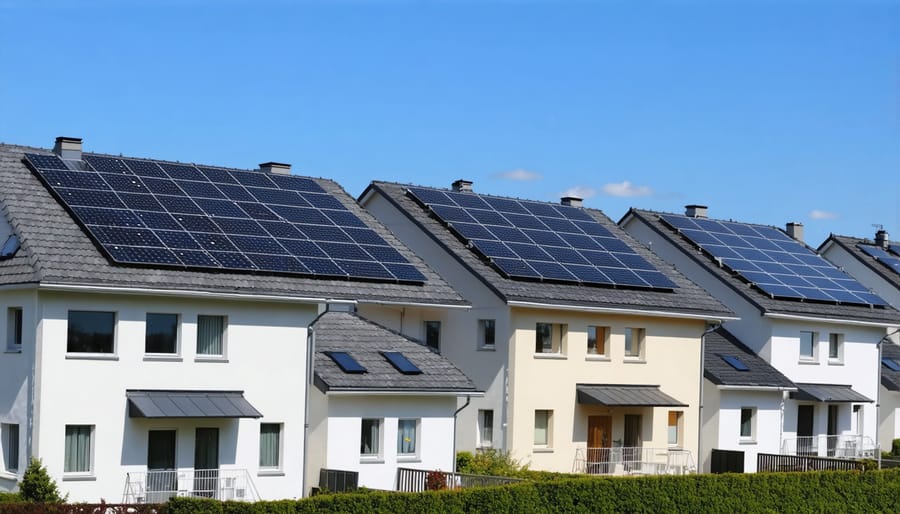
x,y
181,215
541,241
346,362
772,261
891,258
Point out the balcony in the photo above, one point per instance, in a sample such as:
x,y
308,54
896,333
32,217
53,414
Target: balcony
x,y
633,461
835,446
159,486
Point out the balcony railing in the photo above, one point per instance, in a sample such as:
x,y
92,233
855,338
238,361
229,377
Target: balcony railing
x,y
159,485
836,446
633,461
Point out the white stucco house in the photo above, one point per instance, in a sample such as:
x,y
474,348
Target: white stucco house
x,y
808,319
156,317
588,347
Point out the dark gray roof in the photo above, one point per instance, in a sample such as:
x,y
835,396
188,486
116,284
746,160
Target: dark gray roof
x,y
850,244
364,340
890,378
722,343
688,298
56,250
616,395
828,393
765,303
189,404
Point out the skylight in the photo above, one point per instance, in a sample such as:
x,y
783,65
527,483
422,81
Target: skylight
x,y
347,363
735,362
403,365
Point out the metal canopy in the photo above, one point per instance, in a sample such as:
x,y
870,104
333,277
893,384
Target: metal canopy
x,y
625,396
828,393
189,404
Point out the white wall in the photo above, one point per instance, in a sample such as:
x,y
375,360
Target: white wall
x,y
889,424
766,430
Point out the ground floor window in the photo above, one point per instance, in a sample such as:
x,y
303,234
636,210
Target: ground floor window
x,y
9,436
406,436
370,440
270,445
78,448
542,427
675,427
485,428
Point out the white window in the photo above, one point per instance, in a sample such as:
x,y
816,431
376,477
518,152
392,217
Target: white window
x,y
634,342
211,336
79,449
675,427
550,337
808,345
270,445
161,333
836,347
14,328
597,340
91,332
407,432
433,334
370,438
486,333
485,428
9,437
543,426
748,422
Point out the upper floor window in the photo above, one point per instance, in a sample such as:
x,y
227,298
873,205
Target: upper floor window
x,y
486,333
808,345
433,334
211,336
836,347
634,342
91,332
14,328
162,333
597,338
550,337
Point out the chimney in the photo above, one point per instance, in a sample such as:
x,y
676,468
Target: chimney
x,y
279,168
462,186
695,211
68,148
881,238
571,201
795,230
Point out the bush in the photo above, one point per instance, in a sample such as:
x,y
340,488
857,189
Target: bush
x,y
10,497
490,462
895,447
37,486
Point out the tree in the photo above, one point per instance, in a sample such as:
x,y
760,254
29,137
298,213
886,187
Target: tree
x,y
37,486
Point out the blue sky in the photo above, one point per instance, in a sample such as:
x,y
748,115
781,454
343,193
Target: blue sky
x,y
767,112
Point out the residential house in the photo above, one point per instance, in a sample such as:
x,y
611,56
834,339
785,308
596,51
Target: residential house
x,y
801,314
157,317
586,344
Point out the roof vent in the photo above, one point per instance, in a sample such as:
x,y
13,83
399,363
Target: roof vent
x,y
462,186
68,148
571,201
695,211
795,230
279,168
881,238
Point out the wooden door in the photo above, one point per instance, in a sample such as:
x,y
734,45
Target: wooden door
x,y
599,440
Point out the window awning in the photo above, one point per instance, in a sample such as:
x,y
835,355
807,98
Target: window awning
x,y
189,404
625,396
827,393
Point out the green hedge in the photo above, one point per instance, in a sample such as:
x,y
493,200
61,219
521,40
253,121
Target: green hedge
x,y
827,491
9,497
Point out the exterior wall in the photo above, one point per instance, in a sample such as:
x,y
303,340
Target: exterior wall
x,y
317,438
435,435
709,430
766,434
265,357
889,424
863,273
548,381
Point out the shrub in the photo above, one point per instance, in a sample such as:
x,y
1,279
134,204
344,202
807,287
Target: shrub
x,y
895,447
490,462
435,481
37,486
10,497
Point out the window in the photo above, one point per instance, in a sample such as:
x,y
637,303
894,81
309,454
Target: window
x,y
542,427
485,428
596,340
270,445
162,333
14,328
370,441
406,436
91,332
486,332
433,334
634,342
78,448
211,335
10,447
836,347
808,345
550,337
675,427
747,420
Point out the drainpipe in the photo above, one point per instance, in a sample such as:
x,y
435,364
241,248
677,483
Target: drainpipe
x,y
468,401
310,353
711,328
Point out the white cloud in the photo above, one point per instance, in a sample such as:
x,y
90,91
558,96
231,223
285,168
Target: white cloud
x,y
626,189
822,215
583,192
519,174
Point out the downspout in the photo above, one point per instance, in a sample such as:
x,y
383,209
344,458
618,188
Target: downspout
x,y
711,328
310,352
468,401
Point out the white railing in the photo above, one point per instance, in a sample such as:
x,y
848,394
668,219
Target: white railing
x,y
633,461
159,485
836,446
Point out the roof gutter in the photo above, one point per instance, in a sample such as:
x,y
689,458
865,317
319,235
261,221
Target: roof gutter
x,y
75,288
725,387
375,392
613,310
416,304
800,317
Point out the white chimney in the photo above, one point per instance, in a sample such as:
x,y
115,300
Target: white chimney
x,y
695,211
571,201
462,186
279,168
68,148
881,238
795,230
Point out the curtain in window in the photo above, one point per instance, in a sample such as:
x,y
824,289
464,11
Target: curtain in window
x,y
78,449
540,426
268,445
406,436
209,335
370,438
487,427
10,447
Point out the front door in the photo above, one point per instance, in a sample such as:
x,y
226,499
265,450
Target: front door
x,y
805,415
599,441
161,475
206,462
632,453
832,429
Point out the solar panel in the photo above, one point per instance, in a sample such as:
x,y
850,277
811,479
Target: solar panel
x,y
171,214
890,363
10,247
347,363
735,362
403,365
888,259
774,262
895,249
529,240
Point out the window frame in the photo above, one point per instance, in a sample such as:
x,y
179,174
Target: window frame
x,y
224,336
598,330
558,335
10,448
636,336
14,328
836,339
678,428
483,332
432,327
89,472
416,438
750,424
378,454
177,342
813,357
114,335
279,448
484,428
547,417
